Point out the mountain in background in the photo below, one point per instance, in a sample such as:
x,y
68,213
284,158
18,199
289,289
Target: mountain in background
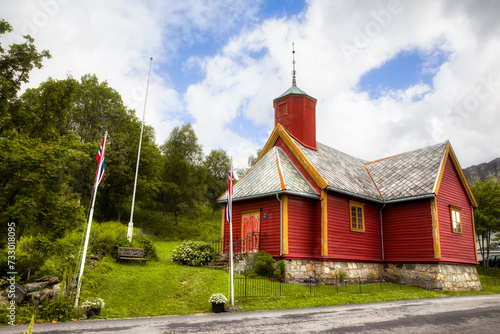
x,y
483,172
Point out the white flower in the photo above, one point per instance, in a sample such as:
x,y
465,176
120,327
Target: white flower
x,y
217,298
93,303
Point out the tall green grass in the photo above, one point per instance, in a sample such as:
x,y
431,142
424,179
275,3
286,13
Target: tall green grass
x,y
158,288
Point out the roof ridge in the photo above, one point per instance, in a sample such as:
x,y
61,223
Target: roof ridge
x,y
332,148
407,152
375,183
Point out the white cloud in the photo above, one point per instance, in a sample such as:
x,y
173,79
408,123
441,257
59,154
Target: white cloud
x,y
461,106
336,43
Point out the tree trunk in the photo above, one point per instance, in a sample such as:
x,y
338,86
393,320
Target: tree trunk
x,y
487,260
481,245
164,206
175,222
120,214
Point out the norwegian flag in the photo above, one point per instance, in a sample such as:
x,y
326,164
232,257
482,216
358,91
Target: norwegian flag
x,y
100,159
230,178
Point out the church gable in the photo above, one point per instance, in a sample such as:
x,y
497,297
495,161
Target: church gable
x,y
273,173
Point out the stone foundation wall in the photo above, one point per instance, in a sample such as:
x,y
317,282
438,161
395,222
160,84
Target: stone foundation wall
x,y
324,270
244,262
436,277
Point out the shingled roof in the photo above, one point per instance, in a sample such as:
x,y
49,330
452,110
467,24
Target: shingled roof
x,y
410,174
341,171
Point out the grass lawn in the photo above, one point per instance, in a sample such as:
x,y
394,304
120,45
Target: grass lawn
x,y
165,288
158,288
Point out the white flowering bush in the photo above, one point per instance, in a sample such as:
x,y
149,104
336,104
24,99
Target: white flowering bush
x,y
93,303
193,253
217,298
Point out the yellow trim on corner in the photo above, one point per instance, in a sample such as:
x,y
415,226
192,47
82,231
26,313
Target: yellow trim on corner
x,y
280,132
324,222
285,224
436,242
473,230
223,221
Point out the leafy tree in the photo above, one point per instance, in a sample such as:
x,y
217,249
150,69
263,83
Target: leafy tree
x,y
34,178
44,110
217,165
183,174
94,108
15,65
487,215
97,108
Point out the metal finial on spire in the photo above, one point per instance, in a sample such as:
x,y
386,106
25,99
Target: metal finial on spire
x,y
294,81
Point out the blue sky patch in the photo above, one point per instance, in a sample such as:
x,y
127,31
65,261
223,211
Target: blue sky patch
x,y
280,8
207,44
406,69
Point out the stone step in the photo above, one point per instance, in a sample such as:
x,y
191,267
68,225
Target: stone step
x,y
222,262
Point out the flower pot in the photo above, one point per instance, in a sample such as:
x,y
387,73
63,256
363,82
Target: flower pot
x,y
218,307
92,311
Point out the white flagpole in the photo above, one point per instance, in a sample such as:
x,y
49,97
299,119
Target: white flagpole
x,y
91,214
230,209
131,223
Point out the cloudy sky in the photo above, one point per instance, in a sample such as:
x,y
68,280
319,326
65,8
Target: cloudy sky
x,y
389,76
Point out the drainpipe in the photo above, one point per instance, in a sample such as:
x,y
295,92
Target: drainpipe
x,y
382,232
281,224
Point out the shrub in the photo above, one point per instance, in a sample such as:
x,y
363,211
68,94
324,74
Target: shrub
x,y
31,254
342,275
193,253
264,264
59,309
279,272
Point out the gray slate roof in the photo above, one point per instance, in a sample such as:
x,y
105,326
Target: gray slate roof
x,y
409,174
264,179
341,171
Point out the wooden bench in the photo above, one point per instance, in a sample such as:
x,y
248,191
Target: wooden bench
x,y
131,253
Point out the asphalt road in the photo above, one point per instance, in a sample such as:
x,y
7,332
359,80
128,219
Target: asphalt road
x,y
467,314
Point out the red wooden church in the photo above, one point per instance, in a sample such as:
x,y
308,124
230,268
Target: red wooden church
x,y
322,210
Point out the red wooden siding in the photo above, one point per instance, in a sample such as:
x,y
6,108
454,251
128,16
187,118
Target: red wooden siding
x,y
346,245
269,226
310,123
297,114
408,232
304,227
456,248
281,144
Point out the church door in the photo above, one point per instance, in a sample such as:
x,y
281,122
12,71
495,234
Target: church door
x,y
250,225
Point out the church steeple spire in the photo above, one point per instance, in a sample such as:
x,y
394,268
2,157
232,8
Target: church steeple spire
x,y
296,111
294,80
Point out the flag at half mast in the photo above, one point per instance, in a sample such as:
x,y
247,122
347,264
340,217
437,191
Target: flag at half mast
x,y
100,159
229,193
